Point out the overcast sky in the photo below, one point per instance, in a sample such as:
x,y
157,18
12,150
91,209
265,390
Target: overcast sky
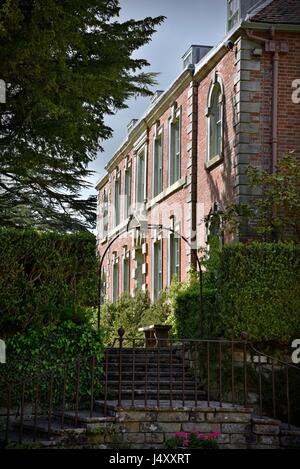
x,y
187,22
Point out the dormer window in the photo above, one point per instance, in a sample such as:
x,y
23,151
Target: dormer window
x,y
232,13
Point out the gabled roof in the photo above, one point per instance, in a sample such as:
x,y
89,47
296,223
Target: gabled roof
x,y
277,12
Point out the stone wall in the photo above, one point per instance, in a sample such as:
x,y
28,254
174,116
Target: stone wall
x,y
238,428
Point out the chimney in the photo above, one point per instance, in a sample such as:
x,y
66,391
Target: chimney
x,y
194,54
155,96
131,125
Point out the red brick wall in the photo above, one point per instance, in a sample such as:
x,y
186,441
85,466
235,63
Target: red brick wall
x,y
221,183
174,204
216,184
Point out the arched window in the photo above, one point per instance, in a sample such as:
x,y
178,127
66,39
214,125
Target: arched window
x,y
215,121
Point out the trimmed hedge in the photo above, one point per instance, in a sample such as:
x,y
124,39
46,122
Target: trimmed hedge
x,y
258,291
45,278
31,356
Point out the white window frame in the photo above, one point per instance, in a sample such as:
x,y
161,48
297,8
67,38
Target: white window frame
x,y
117,206
216,82
126,260
155,170
157,269
141,152
235,15
127,197
115,285
176,227
176,115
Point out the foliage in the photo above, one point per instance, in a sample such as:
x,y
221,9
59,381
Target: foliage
x,y
252,288
33,355
127,312
48,347
275,215
132,312
45,278
67,65
193,440
185,308
258,291
186,317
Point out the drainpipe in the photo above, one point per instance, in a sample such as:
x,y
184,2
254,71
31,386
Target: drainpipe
x,y
275,105
275,50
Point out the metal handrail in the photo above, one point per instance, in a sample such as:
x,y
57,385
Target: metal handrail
x,y
182,372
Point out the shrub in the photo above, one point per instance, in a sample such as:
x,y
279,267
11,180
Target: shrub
x,y
127,312
258,289
186,317
45,278
32,355
133,312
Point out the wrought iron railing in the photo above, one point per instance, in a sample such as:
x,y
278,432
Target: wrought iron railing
x,y
174,373
47,397
208,372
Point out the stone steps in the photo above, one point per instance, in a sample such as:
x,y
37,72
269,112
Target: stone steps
x,y
154,382
139,394
151,375
42,427
163,371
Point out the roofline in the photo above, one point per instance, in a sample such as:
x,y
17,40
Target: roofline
x,y
192,74
242,25
219,49
256,9
151,115
102,181
265,26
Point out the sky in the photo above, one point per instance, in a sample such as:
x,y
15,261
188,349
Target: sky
x,y
187,22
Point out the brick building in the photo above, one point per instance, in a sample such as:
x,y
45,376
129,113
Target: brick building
x,y
233,105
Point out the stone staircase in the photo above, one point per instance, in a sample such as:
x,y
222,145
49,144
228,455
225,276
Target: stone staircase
x,y
148,393
154,374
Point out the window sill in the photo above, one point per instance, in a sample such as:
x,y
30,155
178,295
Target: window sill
x,y
166,193
215,161
118,228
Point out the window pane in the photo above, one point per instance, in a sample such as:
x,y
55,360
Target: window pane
x,y
117,202
115,281
215,123
127,192
175,152
139,277
157,269
174,257
141,178
157,166
126,275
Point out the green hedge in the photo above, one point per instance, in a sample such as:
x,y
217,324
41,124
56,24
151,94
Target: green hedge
x,y
45,278
32,355
258,291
